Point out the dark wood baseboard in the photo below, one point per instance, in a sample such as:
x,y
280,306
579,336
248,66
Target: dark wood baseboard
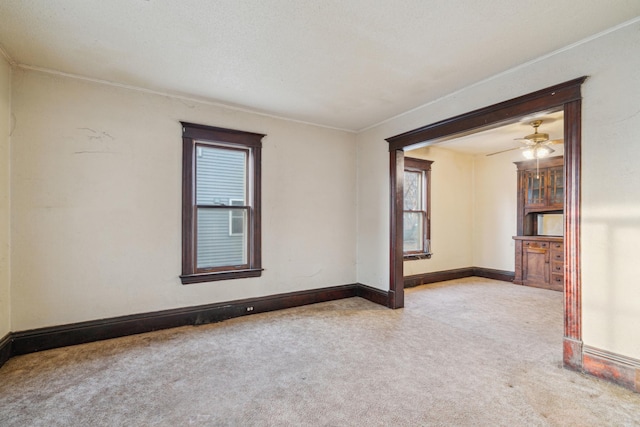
x,y
437,276
572,354
621,370
375,295
5,348
458,273
490,273
30,341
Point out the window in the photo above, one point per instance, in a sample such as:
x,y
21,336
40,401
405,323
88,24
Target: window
x,y
220,204
416,213
236,218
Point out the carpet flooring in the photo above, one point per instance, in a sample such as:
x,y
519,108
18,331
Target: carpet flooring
x,y
469,352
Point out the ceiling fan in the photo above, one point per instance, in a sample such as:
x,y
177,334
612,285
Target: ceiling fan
x,y
536,145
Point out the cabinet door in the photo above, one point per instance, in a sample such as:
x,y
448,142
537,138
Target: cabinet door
x,y
536,264
556,187
535,188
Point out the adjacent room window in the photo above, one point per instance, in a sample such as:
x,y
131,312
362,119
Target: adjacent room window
x,y
220,204
416,215
236,218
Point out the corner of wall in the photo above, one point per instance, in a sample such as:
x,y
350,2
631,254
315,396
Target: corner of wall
x,y
474,217
6,66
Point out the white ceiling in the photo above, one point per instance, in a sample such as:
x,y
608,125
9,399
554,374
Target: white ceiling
x,y
344,64
504,137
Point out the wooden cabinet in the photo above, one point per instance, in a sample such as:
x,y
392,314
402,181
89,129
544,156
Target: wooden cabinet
x,y
540,262
556,187
540,258
535,263
541,184
557,265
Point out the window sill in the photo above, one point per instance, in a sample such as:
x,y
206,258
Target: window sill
x,y
410,257
220,275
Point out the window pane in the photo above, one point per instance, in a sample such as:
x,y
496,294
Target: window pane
x,y
413,231
216,245
237,221
412,191
220,176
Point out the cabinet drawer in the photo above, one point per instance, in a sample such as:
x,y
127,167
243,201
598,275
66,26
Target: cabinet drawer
x,y
557,246
557,279
535,244
557,256
557,267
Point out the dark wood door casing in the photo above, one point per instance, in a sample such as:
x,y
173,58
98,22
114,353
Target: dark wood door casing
x,y
564,96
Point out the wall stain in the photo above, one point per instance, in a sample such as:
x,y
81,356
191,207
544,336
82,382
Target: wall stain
x,y
97,136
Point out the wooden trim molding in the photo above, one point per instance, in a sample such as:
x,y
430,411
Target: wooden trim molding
x,y
30,341
566,96
572,353
374,295
396,201
233,136
491,273
423,167
188,279
544,99
621,370
5,348
458,273
572,176
437,276
194,136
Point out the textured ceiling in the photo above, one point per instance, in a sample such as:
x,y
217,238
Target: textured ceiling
x,y
344,64
504,137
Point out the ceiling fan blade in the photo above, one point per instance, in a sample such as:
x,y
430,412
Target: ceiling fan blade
x,y
503,151
555,141
525,141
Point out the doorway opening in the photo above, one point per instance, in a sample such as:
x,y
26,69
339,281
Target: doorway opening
x,y
566,97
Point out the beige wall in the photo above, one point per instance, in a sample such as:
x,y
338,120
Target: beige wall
x,y
5,225
495,210
473,210
451,211
611,196
495,183
96,181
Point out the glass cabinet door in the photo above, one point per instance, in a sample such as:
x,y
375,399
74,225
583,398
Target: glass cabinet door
x,y
535,188
556,186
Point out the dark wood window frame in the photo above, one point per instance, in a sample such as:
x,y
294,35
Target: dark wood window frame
x,y
424,167
193,135
564,96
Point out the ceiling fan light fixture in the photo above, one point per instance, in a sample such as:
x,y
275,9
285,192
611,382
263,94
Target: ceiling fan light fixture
x,y
542,151
537,142
528,153
537,152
